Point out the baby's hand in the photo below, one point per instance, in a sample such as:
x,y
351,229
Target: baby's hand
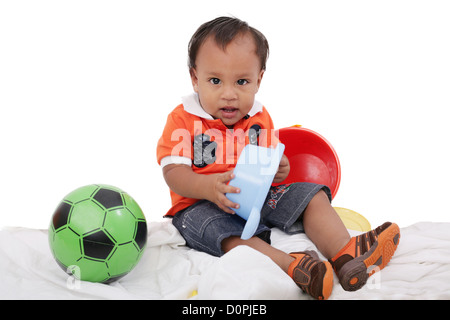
x,y
283,170
219,187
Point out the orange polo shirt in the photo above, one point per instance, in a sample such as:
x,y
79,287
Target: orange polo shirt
x,y
193,137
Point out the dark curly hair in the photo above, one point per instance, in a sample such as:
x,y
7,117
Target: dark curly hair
x,y
224,30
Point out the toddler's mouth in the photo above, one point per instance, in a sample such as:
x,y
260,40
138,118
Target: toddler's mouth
x,y
228,109
229,112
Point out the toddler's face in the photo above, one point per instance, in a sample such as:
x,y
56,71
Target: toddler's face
x,y
227,80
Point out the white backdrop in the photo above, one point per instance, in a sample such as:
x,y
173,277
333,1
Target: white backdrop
x,y
85,88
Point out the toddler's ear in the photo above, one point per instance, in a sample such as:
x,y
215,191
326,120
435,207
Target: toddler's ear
x,y
194,79
261,74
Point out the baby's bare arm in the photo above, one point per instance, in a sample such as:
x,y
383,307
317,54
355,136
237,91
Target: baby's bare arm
x,y
182,180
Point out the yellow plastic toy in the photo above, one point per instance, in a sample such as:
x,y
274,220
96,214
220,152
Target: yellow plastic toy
x,y
353,220
193,294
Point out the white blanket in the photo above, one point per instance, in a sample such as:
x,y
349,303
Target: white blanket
x,y
420,269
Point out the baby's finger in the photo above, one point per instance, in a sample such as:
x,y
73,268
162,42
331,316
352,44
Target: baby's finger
x,y
230,189
226,209
226,205
227,176
284,162
229,204
278,178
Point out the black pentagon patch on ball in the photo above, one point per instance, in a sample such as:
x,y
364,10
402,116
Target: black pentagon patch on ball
x,y
97,245
108,198
61,215
141,234
112,279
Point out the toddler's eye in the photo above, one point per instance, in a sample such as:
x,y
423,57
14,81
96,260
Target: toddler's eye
x,y
214,80
241,82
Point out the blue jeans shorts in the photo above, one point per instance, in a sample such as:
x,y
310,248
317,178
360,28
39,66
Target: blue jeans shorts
x,y
204,225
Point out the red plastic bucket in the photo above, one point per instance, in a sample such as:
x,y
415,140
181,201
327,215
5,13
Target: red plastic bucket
x,y
312,158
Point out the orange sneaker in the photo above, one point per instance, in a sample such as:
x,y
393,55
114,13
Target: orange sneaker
x,y
311,274
365,254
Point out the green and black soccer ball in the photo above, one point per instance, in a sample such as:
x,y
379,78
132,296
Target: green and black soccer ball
x,y
98,233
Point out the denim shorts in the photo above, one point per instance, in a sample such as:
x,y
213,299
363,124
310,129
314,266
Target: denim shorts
x,y
204,225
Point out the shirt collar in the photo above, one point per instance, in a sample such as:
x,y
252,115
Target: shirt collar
x,y
191,104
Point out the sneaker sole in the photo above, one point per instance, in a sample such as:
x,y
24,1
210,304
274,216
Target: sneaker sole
x,y
327,287
355,273
326,274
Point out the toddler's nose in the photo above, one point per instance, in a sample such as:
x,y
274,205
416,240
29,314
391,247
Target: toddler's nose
x,y
229,93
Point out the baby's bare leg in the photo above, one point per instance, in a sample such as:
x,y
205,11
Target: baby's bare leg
x,y
282,259
312,275
324,226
